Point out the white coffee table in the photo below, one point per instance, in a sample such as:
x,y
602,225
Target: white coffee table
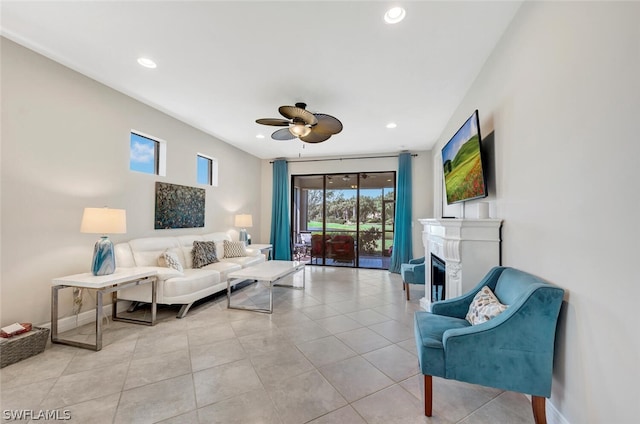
x,y
269,272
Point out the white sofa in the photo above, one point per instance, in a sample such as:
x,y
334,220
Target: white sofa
x,y
175,287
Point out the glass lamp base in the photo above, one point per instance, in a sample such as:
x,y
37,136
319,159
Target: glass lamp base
x,y
104,261
243,237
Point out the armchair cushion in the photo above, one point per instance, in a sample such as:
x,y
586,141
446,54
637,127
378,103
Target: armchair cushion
x,y
485,305
429,329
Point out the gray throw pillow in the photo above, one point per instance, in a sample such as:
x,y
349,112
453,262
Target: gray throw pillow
x,y
203,253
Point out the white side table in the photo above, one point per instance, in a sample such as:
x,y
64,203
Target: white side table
x,y
266,249
120,279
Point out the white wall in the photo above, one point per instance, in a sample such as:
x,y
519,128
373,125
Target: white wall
x,y
421,174
65,146
561,93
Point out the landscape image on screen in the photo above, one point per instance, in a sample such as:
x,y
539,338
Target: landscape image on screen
x,y
462,164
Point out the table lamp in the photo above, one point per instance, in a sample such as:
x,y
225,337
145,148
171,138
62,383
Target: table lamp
x,y
103,221
243,221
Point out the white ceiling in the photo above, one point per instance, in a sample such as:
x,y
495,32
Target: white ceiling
x,y
222,65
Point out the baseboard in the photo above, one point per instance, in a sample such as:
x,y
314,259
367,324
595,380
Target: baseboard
x,y
83,318
553,415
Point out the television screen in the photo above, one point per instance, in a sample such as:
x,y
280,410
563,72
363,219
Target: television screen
x,y
462,163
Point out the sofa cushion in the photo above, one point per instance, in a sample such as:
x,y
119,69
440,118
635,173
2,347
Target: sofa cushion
x,y
192,281
147,250
484,306
223,267
164,273
187,256
203,253
234,249
245,261
170,259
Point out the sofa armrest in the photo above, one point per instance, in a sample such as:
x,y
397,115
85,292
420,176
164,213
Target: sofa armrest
x,y
417,260
413,273
252,252
459,306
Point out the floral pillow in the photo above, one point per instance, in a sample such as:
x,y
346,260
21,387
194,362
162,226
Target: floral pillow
x,y
203,253
234,249
485,306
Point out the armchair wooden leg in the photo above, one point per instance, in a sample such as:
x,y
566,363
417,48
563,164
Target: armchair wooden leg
x,y
406,288
428,394
539,409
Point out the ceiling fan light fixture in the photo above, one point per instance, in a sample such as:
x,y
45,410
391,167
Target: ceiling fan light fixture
x,y
394,15
300,123
299,129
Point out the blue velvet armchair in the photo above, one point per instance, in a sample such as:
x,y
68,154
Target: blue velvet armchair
x,y
412,273
512,351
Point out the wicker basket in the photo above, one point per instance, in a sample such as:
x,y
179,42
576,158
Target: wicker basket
x,y
23,346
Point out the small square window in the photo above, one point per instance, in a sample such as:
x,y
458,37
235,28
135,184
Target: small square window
x,y
146,154
207,169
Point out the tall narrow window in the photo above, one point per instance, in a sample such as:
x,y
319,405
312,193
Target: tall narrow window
x,y
207,170
147,154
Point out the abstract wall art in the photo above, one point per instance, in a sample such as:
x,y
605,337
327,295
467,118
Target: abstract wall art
x,y
179,206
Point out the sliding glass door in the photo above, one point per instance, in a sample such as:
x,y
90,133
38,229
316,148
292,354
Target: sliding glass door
x,y
343,219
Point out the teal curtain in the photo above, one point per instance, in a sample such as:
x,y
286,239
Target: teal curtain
x,y
402,244
280,225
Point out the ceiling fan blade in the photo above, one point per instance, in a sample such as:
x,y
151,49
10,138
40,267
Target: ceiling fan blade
x,y
276,122
315,137
327,124
282,135
293,112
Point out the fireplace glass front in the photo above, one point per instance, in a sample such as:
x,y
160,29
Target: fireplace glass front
x,y
438,269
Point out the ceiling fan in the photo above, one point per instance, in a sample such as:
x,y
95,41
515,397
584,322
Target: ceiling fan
x,y
308,127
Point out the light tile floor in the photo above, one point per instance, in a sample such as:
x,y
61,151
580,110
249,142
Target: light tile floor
x,y
341,351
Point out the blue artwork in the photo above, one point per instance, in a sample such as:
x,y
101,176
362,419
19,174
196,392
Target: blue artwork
x,y
179,206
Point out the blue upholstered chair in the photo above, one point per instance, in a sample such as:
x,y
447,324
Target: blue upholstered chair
x,y
512,351
412,273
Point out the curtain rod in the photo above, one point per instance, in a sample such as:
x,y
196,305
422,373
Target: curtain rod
x,y
363,157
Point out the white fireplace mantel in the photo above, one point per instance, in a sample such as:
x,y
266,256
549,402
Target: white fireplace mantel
x,y
468,247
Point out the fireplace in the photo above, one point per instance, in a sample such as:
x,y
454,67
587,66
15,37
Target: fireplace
x,y
461,252
438,278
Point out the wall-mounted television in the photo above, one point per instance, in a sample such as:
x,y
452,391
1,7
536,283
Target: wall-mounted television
x,y
462,164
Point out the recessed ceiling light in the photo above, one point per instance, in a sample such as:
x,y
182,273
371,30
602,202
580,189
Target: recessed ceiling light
x,y
146,62
394,15
259,136
392,125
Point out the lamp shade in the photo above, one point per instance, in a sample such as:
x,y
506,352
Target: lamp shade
x,y
104,221
244,221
